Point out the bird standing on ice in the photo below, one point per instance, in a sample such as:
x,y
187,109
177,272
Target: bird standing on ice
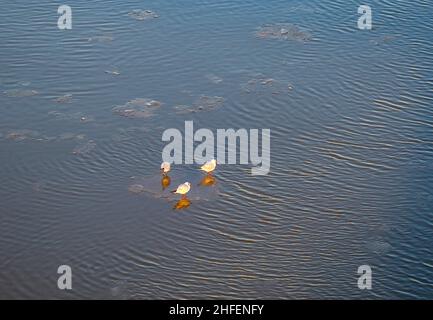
x,y
165,167
209,166
183,189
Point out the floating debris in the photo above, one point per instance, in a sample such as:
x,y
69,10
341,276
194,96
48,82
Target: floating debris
x,y
71,136
388,38
74,116
142,15
209,103
21,135
16,136
136,188
67,98
379,246
138,108
80,136
181,109
204,103
39,186
283,32
114,72
214,78
120,290
305,8
101,39
31,135
84,148
383,40
20,93
263,84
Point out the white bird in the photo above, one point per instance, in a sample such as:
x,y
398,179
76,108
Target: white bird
x,y
209,166
165,167
183,189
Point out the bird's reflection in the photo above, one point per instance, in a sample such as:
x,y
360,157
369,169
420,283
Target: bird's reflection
x,y
165,182
207,181
182,204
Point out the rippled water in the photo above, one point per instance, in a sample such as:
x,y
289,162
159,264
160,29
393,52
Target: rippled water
x,y
351,116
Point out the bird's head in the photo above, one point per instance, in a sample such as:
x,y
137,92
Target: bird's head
x,y
165,167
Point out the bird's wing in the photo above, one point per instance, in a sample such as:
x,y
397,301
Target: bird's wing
x,y
182,188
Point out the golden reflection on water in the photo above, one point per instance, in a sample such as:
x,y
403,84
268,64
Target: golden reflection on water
x,y
207,181
165,182
182,204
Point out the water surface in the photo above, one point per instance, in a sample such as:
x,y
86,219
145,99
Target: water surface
x,y
351,116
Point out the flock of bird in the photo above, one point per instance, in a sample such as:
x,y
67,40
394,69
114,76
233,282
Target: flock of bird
x,y
185,187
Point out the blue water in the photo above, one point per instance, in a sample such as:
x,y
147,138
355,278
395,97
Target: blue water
x,y
351,117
